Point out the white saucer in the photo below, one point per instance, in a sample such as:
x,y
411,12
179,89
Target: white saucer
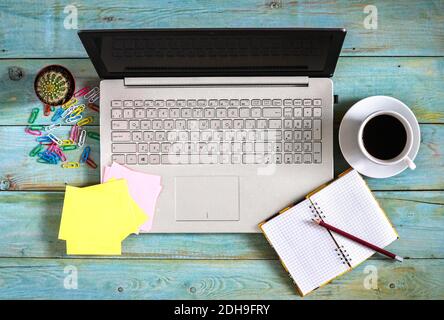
x,y
348,135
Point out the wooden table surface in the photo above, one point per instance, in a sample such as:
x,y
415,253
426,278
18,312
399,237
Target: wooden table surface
x,y
403,57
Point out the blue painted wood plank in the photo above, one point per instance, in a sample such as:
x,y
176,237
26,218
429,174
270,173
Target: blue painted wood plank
x,y
43,33
23,173
415,81
30,221
203,279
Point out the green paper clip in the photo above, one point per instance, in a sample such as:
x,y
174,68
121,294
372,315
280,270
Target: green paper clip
x,y
94,135
33,115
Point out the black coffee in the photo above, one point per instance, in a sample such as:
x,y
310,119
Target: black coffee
x,y
384,137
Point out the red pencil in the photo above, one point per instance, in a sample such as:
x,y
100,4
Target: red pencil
x,y
358,240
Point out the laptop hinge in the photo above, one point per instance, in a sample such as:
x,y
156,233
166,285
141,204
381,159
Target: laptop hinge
x,y
217,81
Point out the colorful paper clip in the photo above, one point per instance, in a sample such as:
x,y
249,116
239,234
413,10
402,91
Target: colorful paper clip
x,y
85,121
93,107
73,119
92,93
46,110
68,111
73,135
36,127
82,138
55,139
38,148
61,155
33,116
44,140
49,157
94,135
68,147
33,132
81,92
71,165
78,110
57,115
52,127
70,103
67,142
85,154
90,162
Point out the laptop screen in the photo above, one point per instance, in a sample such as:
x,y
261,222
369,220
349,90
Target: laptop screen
x,y
213,52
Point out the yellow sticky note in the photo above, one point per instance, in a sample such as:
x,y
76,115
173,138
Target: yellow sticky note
x,y
85,248
96,219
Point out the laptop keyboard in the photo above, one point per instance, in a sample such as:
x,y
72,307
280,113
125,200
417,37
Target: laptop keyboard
x,y
217,131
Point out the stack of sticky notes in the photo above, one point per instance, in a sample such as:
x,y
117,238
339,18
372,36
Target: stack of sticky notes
x,y
144,189
95,220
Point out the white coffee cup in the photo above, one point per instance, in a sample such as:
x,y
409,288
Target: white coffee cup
x,y
403,156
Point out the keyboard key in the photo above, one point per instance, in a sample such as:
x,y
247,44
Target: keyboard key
x,y
317,129
143,159
171,103
174,113
288,124
154,159
128,113
119,158
143,147
201,103
244,112
272,112
297,135
163,113
317,112
221,113
119,125
256,112
116,104
134,125
234,103
186,113
307,124
159,103
131,159
307,112
198,113
307,102
128,103
298,124
148,136
137,135
138,103
298,147
298,158
149,103
145,124
123,147
288,113
288,102
297,112
275,124
288,158
181,103
116,113
307,135
233,112
276,102
119,136
307,158
154,147
160,135
262,124
210,113
238,124
317,102
307,146
297,102
245,102
151,113
250,124
288,135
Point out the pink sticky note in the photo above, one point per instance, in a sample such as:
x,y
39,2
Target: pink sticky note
x,y
144,189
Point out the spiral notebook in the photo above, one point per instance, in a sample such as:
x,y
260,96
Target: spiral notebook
x,y
312,255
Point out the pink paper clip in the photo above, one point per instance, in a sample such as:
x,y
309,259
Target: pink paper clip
x,y
60,153
51,147
81,92
33,132
74,133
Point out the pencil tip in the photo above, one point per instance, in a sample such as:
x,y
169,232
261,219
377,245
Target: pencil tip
x,y
401,259
317,221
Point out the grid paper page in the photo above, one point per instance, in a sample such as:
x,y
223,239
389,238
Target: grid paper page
x,y
307,250
349,205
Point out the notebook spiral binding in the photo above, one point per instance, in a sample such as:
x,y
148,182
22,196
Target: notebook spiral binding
x,y
318,213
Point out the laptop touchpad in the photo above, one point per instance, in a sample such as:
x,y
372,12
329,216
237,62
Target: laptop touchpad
x,y
207,198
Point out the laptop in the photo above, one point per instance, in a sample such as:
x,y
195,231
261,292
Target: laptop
x,y
237,122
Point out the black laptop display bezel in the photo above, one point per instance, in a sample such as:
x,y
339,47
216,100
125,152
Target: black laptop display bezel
x,y
337,38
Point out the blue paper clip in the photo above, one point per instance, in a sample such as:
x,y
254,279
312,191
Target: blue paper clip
x,y
49,157
85,154
57,115
73,119
44,139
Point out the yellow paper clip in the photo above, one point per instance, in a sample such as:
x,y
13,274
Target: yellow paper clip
x,y
67,142
85,121
71,165
80,108
70,103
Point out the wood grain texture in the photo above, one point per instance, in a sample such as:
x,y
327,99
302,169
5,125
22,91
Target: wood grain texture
x,y
178,279
23,173
404,28
30,221
415,81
